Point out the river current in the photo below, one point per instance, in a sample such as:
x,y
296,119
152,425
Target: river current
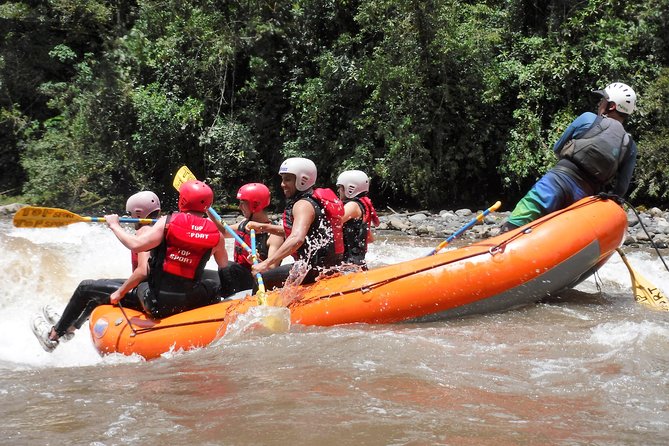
x,y
589,367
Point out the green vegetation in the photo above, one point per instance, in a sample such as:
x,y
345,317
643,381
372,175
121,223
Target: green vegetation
x,y
443,103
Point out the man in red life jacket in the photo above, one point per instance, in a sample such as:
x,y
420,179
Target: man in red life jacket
x,y
359,215
51,328
180,245
253,199
307,230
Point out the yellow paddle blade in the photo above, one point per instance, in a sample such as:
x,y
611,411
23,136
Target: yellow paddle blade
x,y
39,217
262,297
277,323
183,174
644,291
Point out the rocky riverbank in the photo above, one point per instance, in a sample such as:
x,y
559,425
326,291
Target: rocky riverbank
x,y
445,223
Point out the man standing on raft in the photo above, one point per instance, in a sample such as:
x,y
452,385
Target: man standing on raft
x,y
595,154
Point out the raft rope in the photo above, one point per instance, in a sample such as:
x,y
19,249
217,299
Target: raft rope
x,y
598,281
224,318
620,200
499,248
134,332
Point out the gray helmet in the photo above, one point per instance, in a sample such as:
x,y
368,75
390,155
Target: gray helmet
x,y
142,204
355,182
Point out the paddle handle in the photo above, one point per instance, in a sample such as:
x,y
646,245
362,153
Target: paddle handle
x,y
471,223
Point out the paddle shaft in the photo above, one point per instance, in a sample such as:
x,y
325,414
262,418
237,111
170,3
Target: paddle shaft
x,y
231,231
262,300
471,223
121,220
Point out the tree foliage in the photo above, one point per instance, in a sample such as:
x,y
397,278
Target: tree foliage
x,y
442,102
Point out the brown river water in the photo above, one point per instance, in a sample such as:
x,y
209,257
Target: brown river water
x,y
590,367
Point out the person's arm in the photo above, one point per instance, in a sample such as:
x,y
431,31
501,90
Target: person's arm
x,y
577,128
138,276
303,216
220,254
221,227
145,241
625,171
274,242
351,211
267,228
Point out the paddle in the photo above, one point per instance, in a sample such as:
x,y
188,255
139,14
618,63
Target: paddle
x,y
471,223
262,298
184,174
39,217
644,291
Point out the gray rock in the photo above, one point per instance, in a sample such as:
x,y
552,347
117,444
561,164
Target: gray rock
x,y
661,224
661,240
446,223
417,218
655,212
425,230
397,223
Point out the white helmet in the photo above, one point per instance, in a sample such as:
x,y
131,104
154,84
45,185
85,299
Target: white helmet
x,y
355,182
142,204
620,94
304,170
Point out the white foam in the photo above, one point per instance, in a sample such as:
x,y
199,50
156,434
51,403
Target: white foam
x,y
630,333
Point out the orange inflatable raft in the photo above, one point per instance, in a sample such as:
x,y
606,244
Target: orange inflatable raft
x,y
503,272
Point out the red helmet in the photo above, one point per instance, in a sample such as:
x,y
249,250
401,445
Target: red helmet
x,y
257,194
195,196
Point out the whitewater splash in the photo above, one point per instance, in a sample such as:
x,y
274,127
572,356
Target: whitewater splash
x,y
262,320
41,266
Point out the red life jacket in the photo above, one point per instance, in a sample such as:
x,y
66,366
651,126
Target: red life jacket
x,y
240,254
334,211
189,239
369,215
357,231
